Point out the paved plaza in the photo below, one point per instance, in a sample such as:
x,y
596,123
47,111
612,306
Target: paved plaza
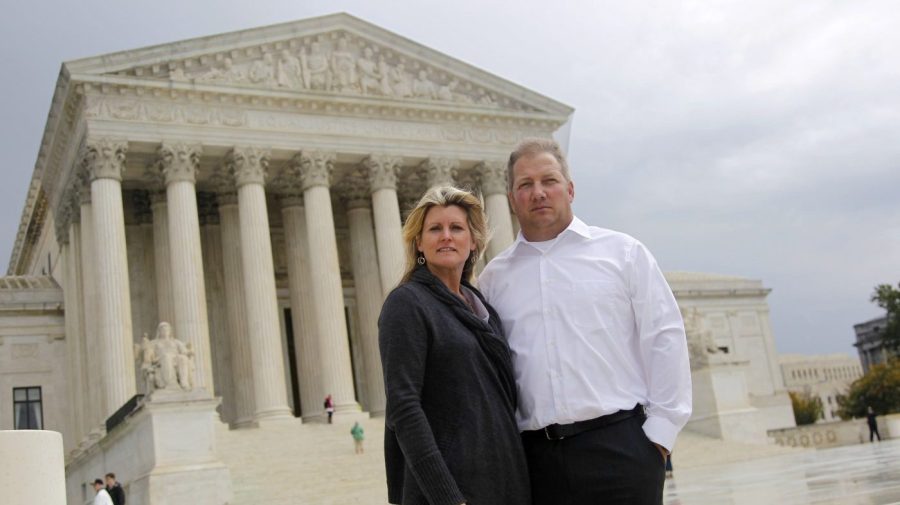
x,y
859,474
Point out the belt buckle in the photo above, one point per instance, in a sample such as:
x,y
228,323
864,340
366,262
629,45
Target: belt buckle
x,y
547,434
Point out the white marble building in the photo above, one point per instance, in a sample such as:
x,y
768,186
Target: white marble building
x,y
249,188
826,376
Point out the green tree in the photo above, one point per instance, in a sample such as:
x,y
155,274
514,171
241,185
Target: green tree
x,y
807,408
879,389
888,298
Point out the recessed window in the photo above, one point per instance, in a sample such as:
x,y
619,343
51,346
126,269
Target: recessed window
x,y
28,409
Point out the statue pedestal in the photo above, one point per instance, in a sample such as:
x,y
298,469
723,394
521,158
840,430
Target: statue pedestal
x,y
164,454
184,468
722,405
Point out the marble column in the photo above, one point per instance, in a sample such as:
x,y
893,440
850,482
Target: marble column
x,y
75,311
161,262
383,171
236,308
96,395
493,184
249,165
303,310
220,346
315,169
368,288
105,161
179,163
439,171
67,254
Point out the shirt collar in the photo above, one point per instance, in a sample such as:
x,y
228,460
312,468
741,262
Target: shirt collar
x,y
577,226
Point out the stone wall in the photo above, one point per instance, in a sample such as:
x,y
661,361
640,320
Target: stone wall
x,y
834,434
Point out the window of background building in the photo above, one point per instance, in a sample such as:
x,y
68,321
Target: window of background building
x,y
28,410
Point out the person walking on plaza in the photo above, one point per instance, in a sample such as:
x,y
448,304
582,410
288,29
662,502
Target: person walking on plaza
x,y
872,421
358,437
115,489
450,426
102,497
598,343
329,408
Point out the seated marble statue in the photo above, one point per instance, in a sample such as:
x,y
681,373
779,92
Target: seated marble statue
x,y
166,362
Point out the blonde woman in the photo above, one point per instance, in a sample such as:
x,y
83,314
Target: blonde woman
x,y
451,434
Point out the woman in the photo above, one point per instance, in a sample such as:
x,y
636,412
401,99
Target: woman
x,y
451,434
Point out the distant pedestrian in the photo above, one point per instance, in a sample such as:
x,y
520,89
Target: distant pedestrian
x,y
115,489
329,407
102,497
669,472
358,437
872,420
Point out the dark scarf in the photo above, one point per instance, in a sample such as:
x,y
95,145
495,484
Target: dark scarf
x,y
489,334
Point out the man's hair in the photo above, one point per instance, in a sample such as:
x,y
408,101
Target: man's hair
x,y
445,196
111,475
532,146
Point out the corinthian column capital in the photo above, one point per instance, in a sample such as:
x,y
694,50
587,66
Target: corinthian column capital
x,y
354,191
104,158
383,171
439,171
248,165
179,161
314,168
493,177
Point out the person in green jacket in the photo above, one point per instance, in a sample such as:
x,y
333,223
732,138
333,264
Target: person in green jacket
x,y
358,437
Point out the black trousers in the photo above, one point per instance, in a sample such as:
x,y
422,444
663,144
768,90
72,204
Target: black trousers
x,y
612,465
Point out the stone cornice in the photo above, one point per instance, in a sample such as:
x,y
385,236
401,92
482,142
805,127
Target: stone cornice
x,y
309,101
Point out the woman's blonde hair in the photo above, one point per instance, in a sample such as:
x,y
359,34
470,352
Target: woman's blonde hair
x,y
444,196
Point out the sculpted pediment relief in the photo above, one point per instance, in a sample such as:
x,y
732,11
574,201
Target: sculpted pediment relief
x,y
335,62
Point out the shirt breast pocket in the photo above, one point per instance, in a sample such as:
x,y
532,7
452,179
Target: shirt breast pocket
x,y
596,304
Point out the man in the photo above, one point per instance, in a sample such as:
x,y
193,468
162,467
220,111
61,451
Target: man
x,y
597,340
872,421
102,497
115,489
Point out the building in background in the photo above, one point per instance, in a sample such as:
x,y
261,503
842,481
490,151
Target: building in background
x,y
826,376
870,343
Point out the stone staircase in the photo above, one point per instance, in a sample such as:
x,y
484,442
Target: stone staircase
x,y
291,463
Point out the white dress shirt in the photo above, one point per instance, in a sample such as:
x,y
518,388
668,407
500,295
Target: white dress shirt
x,y
103,498
593,328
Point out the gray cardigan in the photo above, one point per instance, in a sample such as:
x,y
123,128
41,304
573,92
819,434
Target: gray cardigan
x,y
451,434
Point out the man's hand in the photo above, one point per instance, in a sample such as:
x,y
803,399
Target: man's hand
x,y
662,451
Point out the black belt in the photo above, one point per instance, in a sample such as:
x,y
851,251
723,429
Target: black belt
x,y
561,431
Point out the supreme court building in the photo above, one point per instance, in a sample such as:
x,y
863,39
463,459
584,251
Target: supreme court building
x,y
249,189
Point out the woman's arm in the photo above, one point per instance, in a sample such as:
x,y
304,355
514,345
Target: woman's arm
x,y
403,339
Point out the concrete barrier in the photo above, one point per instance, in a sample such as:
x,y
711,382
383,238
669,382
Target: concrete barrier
x,y
32,467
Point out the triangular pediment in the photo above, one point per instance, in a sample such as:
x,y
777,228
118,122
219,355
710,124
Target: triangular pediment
x,y
336,55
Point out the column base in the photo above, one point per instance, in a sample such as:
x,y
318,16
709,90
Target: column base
x,y
279,416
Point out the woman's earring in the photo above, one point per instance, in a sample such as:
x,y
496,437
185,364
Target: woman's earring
x,y
473,258
420,260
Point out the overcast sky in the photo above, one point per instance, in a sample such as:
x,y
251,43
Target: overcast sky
x,y
757,138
